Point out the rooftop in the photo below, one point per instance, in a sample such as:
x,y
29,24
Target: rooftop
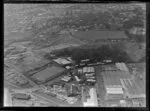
x,y
112,78
122,66
21,96
110,67
96,35
134,88
62,61
45,74
92,101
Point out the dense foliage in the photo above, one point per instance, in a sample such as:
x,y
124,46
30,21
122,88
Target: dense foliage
x,y
104,52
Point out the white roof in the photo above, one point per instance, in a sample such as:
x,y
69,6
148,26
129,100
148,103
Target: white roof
x,y
91,80
65,79
62,61
85,60
114,90
90,77
91,74
69,58
88,69
92,101
77,78
122,66
84,69
68,67
79,70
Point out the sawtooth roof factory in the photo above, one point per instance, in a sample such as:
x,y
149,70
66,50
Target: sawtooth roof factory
x,y
101,35
119,83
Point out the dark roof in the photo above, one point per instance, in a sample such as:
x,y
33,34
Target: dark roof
x,y
96,35
21,96
66,39
47,73
74,90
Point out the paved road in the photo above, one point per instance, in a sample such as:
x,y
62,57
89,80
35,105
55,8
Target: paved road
x,y
56,101
7,98
100,87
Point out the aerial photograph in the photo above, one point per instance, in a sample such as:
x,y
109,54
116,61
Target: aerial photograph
x,y
75,55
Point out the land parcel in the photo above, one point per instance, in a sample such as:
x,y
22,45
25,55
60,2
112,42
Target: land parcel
x,y
48,74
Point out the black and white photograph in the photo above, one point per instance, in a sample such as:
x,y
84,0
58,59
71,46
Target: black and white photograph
x,y
24,1
75,55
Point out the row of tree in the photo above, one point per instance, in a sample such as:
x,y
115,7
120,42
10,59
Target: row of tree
x,y
104,52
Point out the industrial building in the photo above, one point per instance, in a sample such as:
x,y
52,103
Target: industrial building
x,y
115,67
73,90
48,73
92,100
118,83
66,93
62,61
110,67
113,85
134,89
122,66
87,70
66,78
21,96
101,35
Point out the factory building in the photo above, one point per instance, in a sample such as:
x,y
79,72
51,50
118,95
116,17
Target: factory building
x,y
122,66
62,61
133,89
119,83
66,78
87,70
95,35
113,85
92,101
21,96
48,74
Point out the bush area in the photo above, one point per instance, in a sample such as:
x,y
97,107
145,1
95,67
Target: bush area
x,y
113,52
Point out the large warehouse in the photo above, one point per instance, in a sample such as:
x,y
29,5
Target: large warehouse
x,y
134,88
48,73
112,83
92,101
94,35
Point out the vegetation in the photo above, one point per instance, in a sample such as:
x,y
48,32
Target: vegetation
x,y
104,52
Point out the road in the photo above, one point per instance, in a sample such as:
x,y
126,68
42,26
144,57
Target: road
x,y
100,87
82,96
7,98
56,101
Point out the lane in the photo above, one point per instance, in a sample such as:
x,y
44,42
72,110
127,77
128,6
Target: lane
x,y
7,84
7,98
100,87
